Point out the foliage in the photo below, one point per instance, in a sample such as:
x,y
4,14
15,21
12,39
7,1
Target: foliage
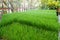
x,y
43,3
53,4
50,4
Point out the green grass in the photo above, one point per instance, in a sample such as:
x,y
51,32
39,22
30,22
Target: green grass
x,y
30,25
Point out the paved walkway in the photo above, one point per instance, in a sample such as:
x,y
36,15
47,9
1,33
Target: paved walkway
x,y
59,18
58,35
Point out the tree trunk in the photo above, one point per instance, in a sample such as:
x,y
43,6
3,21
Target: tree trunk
x,y
58,14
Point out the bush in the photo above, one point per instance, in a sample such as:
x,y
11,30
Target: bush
x,y
52,4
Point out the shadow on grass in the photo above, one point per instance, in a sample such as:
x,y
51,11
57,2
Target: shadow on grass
x,y
24,22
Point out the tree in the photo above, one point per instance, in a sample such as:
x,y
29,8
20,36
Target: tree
x,y
44,4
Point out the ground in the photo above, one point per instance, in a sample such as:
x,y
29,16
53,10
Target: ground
x,y
30,25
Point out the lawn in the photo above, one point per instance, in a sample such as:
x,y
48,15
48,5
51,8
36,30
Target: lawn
x,y
30,25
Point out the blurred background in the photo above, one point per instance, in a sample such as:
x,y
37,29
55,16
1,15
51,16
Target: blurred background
x,y
24,5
